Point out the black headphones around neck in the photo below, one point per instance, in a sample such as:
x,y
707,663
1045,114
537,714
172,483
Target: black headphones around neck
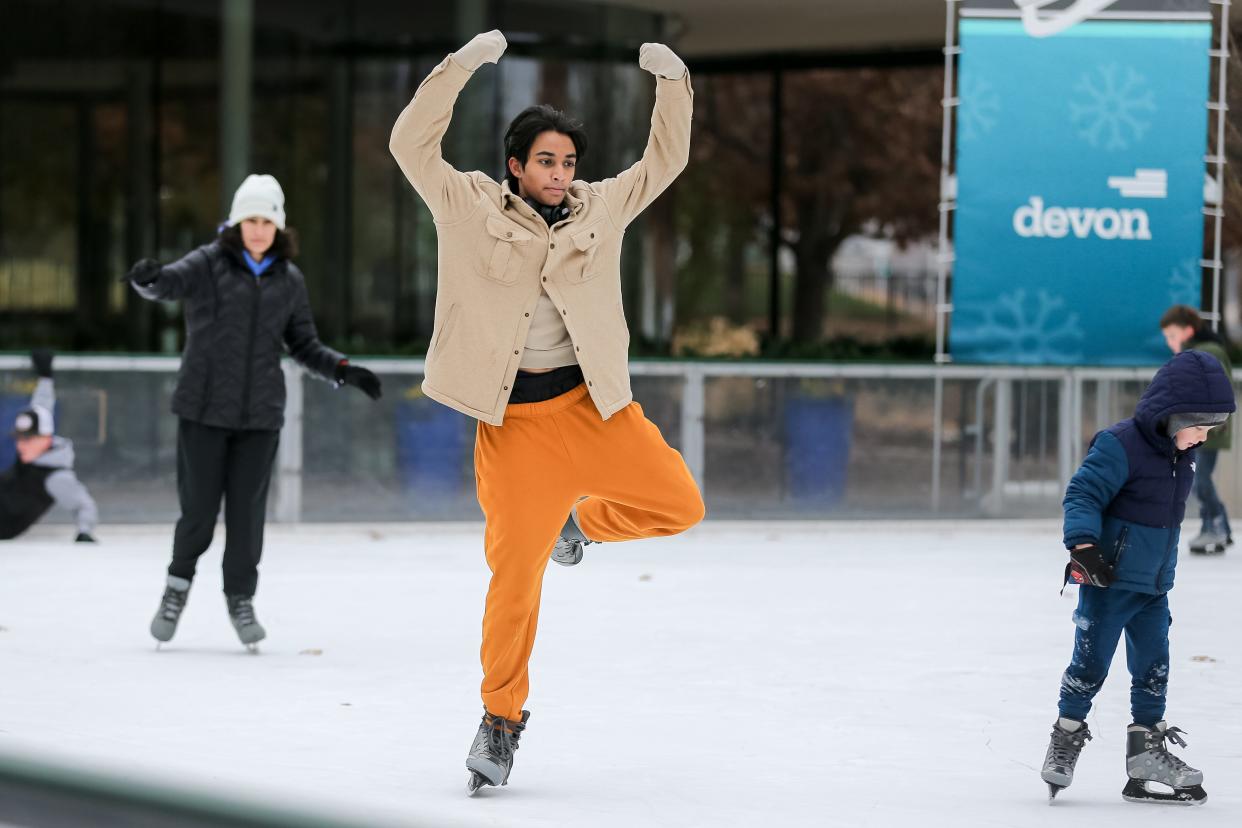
x,y
550,214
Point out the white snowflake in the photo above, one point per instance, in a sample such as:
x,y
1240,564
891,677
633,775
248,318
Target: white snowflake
x,y
1115,108
978,109
1185,283
1036,330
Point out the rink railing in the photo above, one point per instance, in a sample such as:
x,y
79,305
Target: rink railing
x,y
1018,435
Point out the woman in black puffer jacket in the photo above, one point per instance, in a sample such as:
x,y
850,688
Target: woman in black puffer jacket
x,y
245,303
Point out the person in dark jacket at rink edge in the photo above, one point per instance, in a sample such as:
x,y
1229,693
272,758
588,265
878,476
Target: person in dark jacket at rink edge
x,y
245,302
1185,330
43,475
1123,516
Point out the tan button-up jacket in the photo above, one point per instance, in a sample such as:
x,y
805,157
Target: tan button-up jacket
x,y
496,254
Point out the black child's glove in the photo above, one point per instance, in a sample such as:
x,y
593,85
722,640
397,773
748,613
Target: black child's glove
x,y
359,378
1088,566
144,272
41,361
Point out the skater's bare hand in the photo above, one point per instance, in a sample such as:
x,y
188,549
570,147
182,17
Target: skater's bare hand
x,y
660,60
484,48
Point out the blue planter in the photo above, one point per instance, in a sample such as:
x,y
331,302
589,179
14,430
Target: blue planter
x,y
818,432
10,406
431,441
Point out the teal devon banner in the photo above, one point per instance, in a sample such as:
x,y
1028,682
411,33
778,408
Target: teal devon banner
x,y
1080,189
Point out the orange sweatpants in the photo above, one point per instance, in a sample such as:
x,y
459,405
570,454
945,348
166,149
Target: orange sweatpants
x,y
530,473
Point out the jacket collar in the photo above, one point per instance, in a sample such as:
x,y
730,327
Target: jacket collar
x,y
235,256
509,198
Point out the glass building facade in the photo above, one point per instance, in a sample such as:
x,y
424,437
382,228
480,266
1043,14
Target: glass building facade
x,y
125,125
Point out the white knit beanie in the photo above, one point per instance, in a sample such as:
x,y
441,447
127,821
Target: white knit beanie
x,y
259,196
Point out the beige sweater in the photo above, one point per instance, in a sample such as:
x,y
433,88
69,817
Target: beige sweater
x,y
497,256
548,344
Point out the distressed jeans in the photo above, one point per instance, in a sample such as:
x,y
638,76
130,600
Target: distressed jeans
x,y
1102,616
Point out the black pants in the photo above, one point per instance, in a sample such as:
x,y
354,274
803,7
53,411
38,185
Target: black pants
x,y
233,464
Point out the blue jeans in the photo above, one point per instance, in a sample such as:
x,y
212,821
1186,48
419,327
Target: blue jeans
x,y
1211,509
1102,615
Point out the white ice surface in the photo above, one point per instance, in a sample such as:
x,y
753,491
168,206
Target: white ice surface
x,y
839,674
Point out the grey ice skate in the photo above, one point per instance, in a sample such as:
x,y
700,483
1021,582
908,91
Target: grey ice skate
x,y
567,551
241,613
1068,738
1209,542
1149,762
164,624
491,754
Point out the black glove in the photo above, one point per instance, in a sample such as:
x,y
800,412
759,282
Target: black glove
x,y
84,537
41,360
360,378
144,272
1088,566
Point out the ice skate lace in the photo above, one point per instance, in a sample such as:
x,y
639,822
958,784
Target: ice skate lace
x,y
1173,734
1067,745
242,610
173,603
504,740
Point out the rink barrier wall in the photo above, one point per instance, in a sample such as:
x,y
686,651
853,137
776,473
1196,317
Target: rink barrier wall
x,y
43,794
1042,416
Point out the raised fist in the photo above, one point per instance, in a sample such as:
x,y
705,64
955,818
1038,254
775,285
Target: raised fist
x,y
658,59
484,48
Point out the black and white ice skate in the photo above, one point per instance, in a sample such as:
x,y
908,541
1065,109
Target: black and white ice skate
x,y
1066,743
164,624
491,754
567,551
1157,775
241,613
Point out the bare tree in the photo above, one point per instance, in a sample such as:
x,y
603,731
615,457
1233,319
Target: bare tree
x,y
861,154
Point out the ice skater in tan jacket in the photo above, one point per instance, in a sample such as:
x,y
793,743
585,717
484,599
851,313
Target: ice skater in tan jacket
x,y
530,339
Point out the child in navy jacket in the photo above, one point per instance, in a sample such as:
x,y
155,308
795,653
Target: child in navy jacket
x,y
1123,515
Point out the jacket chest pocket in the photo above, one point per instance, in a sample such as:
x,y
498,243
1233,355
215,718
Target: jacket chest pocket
x,y
504,249
582,265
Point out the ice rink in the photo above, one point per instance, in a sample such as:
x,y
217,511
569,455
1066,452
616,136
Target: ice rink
x,y
746,674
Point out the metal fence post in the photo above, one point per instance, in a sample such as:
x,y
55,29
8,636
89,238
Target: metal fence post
x,y
937,440
1065,433
693,442
288,506
1002,428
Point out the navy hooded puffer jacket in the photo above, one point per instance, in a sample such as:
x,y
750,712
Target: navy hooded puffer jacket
x,y
1134,482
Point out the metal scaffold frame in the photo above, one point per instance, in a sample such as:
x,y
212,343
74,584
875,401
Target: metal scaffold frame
x,y
1214,206
1217,157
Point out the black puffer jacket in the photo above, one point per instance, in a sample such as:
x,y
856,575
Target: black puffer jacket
x,y
237,327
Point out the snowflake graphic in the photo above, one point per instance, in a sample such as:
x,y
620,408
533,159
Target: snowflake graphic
x,y
1035,330
979,108
1185,283
1114,108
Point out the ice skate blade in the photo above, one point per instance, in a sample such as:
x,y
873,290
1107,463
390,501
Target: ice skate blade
x,y
1136,791
1053,790
475,783
491,773
253,649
